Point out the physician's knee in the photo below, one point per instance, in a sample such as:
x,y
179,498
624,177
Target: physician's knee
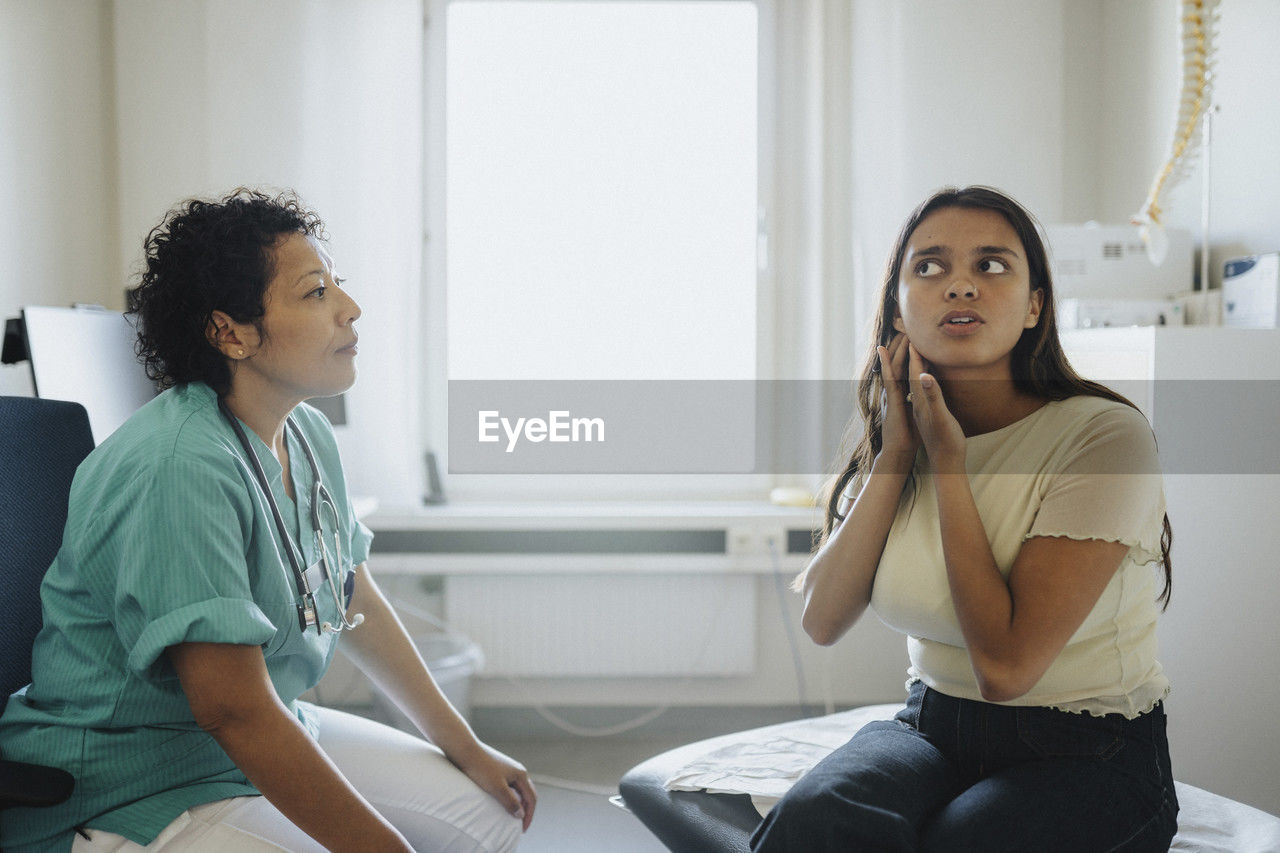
x,y
491,827
495,829
505,838
500,836
467,820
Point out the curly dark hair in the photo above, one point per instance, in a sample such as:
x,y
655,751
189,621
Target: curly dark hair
x,y
205,256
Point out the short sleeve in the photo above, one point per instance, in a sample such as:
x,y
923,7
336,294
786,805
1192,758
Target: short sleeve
x,y
182,573
1107,486
361,540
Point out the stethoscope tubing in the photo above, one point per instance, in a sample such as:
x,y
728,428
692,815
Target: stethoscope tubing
x,y
307,613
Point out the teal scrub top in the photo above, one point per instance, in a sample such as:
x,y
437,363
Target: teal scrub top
x,y
169,539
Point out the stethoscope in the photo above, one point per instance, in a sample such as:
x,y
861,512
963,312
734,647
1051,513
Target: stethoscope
x,y
321,500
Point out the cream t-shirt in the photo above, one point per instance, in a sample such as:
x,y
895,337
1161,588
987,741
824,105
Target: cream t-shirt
x,y
1083,468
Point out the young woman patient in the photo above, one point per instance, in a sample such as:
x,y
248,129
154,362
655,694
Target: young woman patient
x,y
1004,514
211,562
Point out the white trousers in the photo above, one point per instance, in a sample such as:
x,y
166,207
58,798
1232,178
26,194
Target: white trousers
x,y
409,781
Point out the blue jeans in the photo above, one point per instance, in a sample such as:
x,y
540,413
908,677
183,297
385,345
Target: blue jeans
x,y
954,774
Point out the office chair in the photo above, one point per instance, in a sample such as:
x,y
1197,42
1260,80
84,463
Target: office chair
x,y
41,444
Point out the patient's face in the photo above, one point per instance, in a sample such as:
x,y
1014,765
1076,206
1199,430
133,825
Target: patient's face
x,y
964,293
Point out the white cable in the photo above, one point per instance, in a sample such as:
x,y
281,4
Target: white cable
x,y
788,627
595,731
573,785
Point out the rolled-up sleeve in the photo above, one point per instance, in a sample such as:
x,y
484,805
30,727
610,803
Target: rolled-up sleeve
x,y
361,541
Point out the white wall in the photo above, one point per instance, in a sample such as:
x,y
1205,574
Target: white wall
x,y
1218,639
57,178
112,112
321,97
961,93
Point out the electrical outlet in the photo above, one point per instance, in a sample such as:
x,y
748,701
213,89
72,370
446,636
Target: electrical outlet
x,y
756,541
773,541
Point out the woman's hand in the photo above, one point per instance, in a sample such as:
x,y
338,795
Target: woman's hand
x,y
503,778
939,430
383,650
898,433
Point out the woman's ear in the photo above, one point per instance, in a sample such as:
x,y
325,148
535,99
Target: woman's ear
x,y
1033,308
897,322
234,340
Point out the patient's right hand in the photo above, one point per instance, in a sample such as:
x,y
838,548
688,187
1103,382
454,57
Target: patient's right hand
x,y
899,436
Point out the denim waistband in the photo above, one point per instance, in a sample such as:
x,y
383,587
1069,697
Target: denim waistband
x,y
984,737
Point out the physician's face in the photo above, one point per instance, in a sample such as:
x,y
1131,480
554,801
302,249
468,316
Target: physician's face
x,y
308,345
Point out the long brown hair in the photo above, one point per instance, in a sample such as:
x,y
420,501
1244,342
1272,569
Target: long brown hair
x,y
1040,367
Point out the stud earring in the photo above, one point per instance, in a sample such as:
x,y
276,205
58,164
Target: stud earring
x,y
240,352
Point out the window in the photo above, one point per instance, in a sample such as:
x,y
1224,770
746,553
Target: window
x,y
593,205
601,192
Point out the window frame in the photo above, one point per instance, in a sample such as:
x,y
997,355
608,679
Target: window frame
x,y
572,488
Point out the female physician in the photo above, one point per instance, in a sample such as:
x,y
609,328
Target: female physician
x,y
193,599
1001,512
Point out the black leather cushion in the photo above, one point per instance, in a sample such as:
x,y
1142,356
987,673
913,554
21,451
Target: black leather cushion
x,y
689,821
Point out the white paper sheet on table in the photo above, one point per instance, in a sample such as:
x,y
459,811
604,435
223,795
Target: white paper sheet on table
x,y
768,761
1208,823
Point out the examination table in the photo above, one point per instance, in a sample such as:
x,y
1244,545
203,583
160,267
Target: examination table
x,y
704,797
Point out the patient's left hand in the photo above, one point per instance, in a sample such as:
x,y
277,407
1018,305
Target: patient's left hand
x,y
503,778
941,433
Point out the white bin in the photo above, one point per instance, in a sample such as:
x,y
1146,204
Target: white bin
x,y
453,659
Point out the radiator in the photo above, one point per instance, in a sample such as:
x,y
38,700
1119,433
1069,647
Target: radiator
x,y
591,625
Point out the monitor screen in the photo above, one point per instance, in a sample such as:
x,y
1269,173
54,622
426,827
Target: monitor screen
x,y
86,355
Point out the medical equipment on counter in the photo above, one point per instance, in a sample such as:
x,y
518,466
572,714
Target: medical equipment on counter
x,y
320,499
1094,261
1103,313
1251,291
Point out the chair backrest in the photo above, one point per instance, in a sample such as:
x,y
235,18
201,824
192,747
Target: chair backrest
x,y
41,444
